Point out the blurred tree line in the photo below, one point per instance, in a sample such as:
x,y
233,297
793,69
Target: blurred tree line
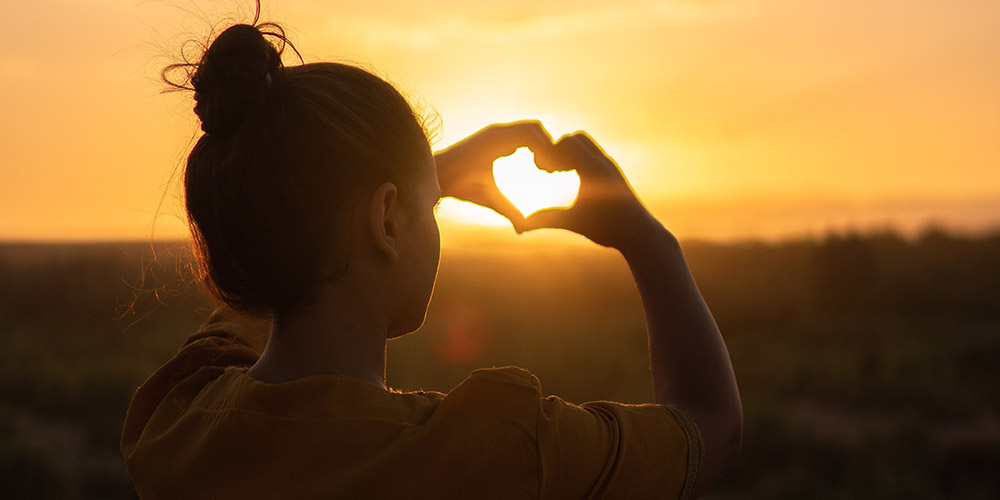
x,y
867,362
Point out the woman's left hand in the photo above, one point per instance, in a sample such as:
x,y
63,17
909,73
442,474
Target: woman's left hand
x,y
465,169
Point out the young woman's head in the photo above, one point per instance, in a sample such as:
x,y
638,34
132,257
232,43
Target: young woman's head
x,y
289,163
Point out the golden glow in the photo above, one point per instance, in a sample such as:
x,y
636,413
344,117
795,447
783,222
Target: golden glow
x,y
731,118
531,189
463,212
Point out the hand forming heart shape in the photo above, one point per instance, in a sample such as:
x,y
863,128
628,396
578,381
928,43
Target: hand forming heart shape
x,y
602,204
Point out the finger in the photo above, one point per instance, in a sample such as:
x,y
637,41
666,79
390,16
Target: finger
x,y
501,205
508,137
558,158
556,218
592,145
584,145
530,133
569,153
610,167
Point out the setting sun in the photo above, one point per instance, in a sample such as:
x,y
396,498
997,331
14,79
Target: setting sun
x,y
530,188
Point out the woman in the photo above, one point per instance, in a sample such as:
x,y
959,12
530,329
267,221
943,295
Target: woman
x,y
311,197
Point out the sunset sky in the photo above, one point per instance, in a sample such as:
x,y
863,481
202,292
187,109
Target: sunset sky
x,y
732,118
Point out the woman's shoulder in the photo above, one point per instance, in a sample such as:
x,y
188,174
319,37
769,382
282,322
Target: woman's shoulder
x,y
503,376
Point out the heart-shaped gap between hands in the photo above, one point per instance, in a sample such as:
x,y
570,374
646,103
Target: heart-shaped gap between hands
x,y
530,188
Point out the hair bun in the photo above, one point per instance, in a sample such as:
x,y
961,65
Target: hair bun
x,y
232,77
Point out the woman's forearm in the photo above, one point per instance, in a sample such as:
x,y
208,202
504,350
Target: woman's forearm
x,y
690,364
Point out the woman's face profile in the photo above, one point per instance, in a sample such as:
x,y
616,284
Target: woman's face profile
x,y
421,253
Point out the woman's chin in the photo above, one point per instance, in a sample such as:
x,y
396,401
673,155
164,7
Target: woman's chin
x,y
406,326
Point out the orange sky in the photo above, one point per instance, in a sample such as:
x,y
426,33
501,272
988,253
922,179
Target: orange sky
x,y
732,118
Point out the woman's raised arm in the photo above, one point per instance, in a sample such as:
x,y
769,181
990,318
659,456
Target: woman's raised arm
x,y
690,364
689,361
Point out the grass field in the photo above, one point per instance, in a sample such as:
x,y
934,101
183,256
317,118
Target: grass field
x,y
868,363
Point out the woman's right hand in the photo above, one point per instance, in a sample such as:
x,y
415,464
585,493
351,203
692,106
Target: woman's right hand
x,y
607,210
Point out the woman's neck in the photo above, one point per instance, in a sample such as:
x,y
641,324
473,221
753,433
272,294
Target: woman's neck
x,y
335,333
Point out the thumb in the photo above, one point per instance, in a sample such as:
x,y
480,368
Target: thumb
x,y
556,218
501,205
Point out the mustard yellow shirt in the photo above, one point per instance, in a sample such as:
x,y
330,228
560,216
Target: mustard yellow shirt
x,y
201,428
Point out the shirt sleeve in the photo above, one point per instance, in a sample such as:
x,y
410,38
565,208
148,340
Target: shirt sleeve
x,y
605,450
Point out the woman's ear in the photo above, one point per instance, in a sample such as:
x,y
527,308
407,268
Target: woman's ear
x,y
383,220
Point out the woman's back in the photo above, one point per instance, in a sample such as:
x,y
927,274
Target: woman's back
x,y
202,428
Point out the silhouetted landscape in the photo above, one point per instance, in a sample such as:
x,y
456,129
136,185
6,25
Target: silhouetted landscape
x,y
867,362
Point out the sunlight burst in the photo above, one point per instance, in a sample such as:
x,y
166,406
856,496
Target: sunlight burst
x,y
530,188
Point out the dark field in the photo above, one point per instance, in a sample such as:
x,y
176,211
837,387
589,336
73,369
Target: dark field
x,y
869,365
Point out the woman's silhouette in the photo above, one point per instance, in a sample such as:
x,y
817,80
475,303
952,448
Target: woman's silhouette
x,y
311,198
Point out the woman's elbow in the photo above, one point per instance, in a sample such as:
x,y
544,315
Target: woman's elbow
x,y
722,437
